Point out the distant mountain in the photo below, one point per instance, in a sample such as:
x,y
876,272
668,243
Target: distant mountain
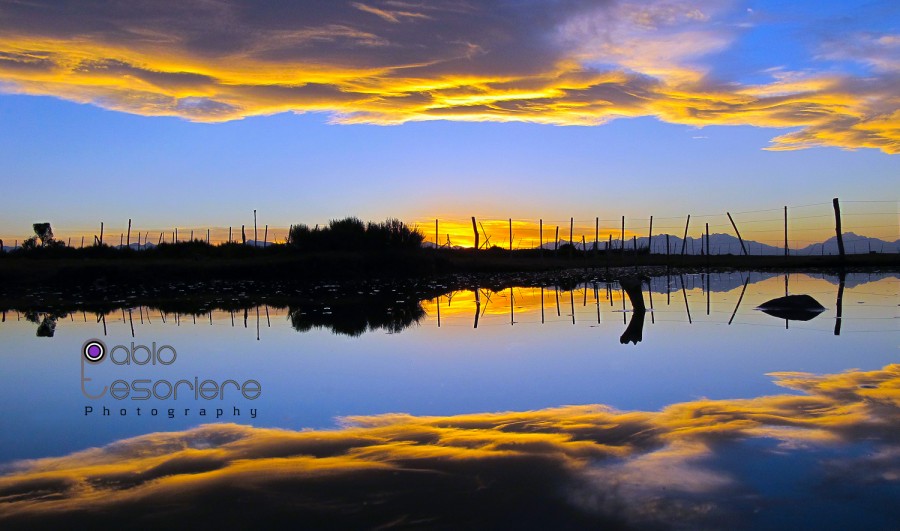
x,y
136,247
853,244
256,243
728,244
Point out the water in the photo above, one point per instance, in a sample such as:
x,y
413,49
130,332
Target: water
x,y
712,414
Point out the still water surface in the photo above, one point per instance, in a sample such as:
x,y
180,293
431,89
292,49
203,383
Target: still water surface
x,y
712,414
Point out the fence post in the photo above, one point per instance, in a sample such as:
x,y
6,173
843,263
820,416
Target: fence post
x,y
128,239
650,238
436,244
255,234
684,240
266,235
571,227
786,253
556,242
541,235
101,233
475,230
596,236
623,235
707,249
510,234
837,227
744,249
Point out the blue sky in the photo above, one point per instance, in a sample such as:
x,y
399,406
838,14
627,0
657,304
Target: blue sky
x,y
595,108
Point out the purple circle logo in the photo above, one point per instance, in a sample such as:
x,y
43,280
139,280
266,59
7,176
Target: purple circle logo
x,y
93,350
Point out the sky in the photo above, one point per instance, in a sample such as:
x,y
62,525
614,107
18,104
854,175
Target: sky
x,y
193,114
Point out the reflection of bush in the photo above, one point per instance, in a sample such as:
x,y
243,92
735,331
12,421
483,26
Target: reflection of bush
x,y
354,317
46,322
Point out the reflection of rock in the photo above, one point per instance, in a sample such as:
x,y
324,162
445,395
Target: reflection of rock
x,y
793,307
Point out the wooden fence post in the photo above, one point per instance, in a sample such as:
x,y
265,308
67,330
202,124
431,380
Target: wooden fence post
x,y
541,235
571,227
556,242
243,236
101,233
128,239
510,234
786,253
684,240
744,249
255,234
650,238
596,235
475,230
623,235
837,227
436,244
707,247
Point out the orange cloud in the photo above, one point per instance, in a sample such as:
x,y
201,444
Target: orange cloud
x,y
587,464
390,62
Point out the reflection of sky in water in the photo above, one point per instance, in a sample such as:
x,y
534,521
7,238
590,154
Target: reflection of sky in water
x,y
685,367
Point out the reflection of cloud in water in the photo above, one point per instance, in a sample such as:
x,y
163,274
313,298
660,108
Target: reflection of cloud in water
x,y
566,467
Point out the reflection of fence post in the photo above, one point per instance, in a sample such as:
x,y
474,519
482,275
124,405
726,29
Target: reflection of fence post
x,y
475,230
684,240
837,227
840,303
744,249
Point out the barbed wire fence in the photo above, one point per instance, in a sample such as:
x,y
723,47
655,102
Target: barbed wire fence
x,y
867,226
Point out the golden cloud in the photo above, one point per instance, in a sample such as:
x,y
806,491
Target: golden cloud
x,y
573,465
391,62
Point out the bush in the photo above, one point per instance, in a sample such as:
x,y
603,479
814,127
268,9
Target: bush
x,y
351,234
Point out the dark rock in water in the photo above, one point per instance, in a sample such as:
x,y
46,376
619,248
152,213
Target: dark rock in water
x,y
792,307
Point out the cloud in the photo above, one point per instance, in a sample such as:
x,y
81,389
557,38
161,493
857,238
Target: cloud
x,y
568,62
570,466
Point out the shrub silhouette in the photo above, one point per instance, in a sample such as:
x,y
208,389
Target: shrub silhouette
x,y
351,234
